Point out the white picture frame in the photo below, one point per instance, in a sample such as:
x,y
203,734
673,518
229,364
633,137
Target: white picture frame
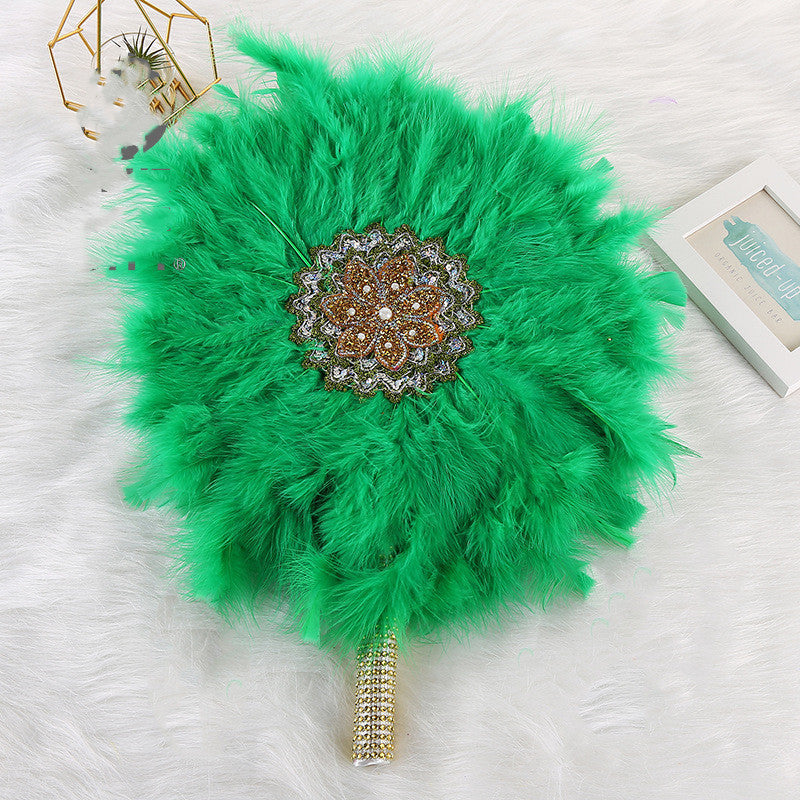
x,y
738,294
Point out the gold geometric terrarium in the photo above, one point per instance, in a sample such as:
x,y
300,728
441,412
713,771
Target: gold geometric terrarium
x,y
164,49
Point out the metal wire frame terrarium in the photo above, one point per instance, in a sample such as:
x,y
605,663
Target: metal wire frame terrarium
x,y
146,55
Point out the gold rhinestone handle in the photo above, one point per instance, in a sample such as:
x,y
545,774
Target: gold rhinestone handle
x,y
373,727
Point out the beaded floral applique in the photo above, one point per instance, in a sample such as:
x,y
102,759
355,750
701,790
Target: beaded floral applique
x,y
384,312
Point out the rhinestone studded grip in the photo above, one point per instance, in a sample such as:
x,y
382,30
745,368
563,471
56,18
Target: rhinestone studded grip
x,y
373,727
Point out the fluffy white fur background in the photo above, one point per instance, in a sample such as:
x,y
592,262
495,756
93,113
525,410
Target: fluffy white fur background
x,y
678,679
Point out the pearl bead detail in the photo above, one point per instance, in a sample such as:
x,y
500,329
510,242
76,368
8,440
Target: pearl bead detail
x,y
350,323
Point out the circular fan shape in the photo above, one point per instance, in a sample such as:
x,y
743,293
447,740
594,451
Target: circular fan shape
x,y
449,268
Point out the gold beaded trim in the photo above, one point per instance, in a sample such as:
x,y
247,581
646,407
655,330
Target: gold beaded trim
x,y
373,725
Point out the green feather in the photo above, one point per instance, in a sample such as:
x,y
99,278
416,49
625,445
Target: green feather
x,y
444,512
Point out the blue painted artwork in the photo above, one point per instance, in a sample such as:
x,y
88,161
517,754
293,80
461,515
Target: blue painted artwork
x,y
774,271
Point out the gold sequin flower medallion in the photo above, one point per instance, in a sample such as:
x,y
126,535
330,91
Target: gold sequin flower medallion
x,y
384,312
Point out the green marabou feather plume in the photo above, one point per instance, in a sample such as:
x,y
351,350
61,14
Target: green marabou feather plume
x,y
445,510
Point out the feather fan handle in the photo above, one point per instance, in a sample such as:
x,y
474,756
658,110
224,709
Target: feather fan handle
x,y
373,725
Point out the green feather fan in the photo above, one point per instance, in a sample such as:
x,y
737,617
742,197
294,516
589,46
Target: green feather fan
x,y
303,458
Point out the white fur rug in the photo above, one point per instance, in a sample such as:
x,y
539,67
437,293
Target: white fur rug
x,y
677,679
